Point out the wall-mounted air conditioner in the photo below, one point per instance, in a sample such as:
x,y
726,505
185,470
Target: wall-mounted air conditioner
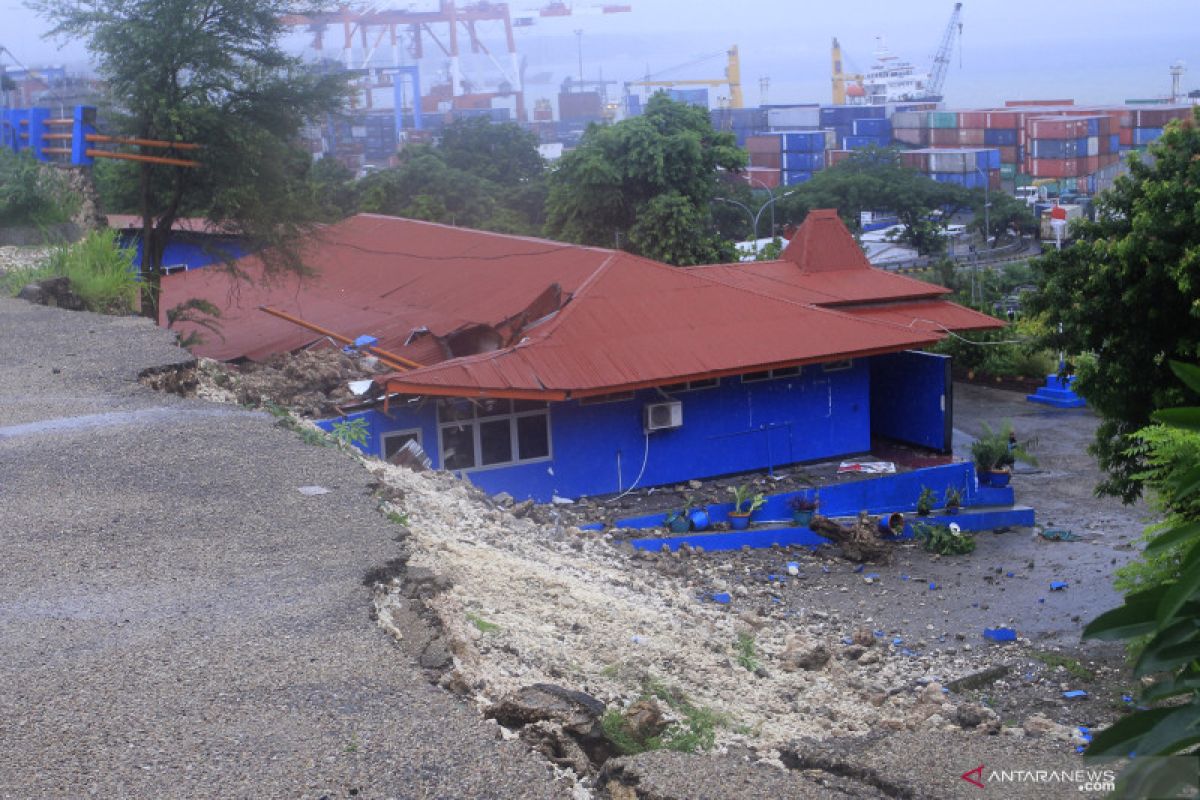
x,y
662,416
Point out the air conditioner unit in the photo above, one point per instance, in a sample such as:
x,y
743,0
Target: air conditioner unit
x,y
662,416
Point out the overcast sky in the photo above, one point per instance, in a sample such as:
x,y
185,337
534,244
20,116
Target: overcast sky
x,y
1090,50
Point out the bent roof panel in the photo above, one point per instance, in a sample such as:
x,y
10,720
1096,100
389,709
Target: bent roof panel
x,y
374,272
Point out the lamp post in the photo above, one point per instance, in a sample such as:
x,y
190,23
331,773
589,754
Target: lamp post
x,y
987,232
754,217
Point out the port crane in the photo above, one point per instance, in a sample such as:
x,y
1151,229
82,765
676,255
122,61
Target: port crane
x,y
901,76
733,78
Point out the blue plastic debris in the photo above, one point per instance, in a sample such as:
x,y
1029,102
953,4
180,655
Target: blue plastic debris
x,y
824,569
932,586
904,651
1041,599
858,569
1071,695
1000,634
872,576
847,640
793,567
897,641
903,577
365,341
1008,574
1085,734
722,597
1128,698
879,634
1058,586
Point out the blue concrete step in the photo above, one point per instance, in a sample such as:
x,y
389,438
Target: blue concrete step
x,y
1058,393
983,518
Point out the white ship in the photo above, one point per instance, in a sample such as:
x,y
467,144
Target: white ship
x,y
892,80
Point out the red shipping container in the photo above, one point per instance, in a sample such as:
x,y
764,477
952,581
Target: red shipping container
x,y
763,144
972,119
943,137
994,179
1019,103
835,157
1091,164
767,160
757,176
1004,119
970,137
1125,136
1159,117
1055,168
917,161
1008,155
1056,128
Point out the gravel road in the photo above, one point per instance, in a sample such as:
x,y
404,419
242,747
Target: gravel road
x,y
177,620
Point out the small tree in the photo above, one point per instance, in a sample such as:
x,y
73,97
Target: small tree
x,y
209,72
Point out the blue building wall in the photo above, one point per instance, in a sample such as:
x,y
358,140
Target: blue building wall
x,y
912,399
189,250
736,427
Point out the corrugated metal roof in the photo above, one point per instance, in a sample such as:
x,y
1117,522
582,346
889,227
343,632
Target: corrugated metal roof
x,y
929,315
640,323
385,277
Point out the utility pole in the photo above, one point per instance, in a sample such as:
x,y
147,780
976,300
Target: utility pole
x,y
579,48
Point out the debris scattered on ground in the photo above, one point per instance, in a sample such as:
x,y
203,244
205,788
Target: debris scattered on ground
x,y
55,292
312,491
17,258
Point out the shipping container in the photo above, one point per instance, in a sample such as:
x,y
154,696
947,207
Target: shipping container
x,y
943,137
970,137
809,162
1008,120
873,127
796,178
910,119
1125,138
916,159
1008,155
972,119
864,142
1008,171
835,157
943,119
1055,167
794,118
690,97
803,141
763,144
768,160
1159,117
915,136
1002,137
1144,136
951,161
1113,143
1059,148
1093,145
1056,128
759,178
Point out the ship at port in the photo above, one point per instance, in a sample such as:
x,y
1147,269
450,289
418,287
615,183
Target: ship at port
x,y
892,79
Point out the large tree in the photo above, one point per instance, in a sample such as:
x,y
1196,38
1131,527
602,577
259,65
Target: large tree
x,y
209,72
1127,293
645,184
875,180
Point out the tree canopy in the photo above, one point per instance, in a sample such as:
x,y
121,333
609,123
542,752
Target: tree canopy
x,y
210,72
645,184
875,180
1128,297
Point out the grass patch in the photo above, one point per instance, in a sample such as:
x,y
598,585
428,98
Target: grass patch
x,y
1071,665
482,624
397,518
101,273
696,732
746,656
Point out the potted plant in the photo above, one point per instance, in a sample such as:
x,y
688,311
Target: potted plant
x,y
688,518
745,503
926,501
891,524
677,522
995,452
803,508
953,500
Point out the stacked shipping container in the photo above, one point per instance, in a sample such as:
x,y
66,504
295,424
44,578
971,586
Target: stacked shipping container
x,y
1066,146
795,155
973,167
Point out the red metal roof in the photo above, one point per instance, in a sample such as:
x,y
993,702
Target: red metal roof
x,y
640,323
561,320
386,277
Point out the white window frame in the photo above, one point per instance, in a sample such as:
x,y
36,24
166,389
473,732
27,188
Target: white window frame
x,y
772,376
511,417
601,399
383,439
838,366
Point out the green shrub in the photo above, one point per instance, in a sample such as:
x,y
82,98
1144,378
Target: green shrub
x,y
942,540
31,194
100,270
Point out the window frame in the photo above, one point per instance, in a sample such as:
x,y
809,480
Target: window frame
x,y
691,386
838,366
416,433
772,376
511,418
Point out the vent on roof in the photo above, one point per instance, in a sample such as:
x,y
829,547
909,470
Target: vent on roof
x,y
662,416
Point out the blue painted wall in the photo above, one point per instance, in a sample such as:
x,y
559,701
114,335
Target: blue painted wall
x,y
912,400
188,249
736,427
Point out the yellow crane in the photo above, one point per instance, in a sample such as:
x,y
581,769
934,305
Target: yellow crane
x,y
733,78
840,78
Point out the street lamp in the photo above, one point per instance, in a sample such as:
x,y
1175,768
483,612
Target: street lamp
x,y
987,232
754,218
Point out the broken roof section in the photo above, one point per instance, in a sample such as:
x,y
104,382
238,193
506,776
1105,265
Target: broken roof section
x,y
505,316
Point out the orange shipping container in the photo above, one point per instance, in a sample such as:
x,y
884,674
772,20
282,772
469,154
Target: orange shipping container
x,y
1008,155
763,144
943,137
1055,167
768,160
759,177
970,137
1005,119
973,119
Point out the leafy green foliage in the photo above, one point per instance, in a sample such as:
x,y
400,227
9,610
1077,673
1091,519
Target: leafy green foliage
x,y
746,656
953,497
1166,612
875,180
31,194
209,72
745,500
482,624
926,500
645,184
999,449
100,270
351,432
696,732
943,541
1126,291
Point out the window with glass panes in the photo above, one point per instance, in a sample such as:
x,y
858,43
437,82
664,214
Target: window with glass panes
x,y
489,433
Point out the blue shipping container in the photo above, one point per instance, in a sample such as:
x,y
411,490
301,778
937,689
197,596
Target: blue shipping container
x,y
949,177
873,127
863,142
797,177
1114,143
987,159
1060,148
1144,136
803,161
803,142
1000,137
833,116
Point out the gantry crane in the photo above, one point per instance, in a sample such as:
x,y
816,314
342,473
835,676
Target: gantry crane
x,y
733,78
840,78
941,58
